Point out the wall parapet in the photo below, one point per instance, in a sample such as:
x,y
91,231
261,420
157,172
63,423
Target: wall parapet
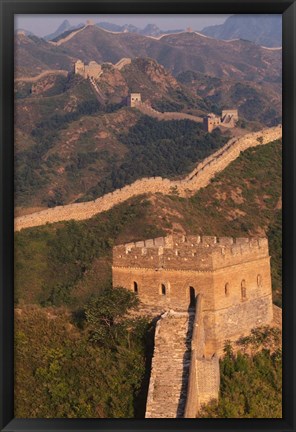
x,y
204,372
197,348
199,253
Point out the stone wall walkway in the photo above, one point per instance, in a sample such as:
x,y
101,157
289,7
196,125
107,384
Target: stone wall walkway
x,y
197,179
42,75
170,366
146,109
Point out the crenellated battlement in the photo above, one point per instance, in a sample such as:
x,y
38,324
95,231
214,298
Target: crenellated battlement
x,y
223,282
189,252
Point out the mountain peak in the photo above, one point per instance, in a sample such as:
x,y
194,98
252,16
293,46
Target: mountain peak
x,y
264,30
64,26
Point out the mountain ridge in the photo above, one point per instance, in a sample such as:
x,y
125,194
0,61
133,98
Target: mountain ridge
x,y
176,52
263,30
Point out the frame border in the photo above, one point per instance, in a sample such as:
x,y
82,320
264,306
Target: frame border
x,y
7,10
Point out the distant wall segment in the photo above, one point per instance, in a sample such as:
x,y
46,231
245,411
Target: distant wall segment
x,y
148,110
197,179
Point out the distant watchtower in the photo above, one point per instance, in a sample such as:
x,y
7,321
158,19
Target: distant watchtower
x,y
91,70
232,275
134,99
79,68
211,121
228,119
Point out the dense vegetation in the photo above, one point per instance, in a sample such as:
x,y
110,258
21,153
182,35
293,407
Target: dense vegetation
x,y
251,384
30,173
93,366
65,267
35,169
159,148
51,261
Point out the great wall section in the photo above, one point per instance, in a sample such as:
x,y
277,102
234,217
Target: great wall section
x,y
183,377
42,75
148,110
170,365
201,291
197,179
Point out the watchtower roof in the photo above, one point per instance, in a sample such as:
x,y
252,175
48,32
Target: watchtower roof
x,y
189,252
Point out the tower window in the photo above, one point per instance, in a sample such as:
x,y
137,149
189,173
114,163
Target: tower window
x,y
163,289
192,297
259,280
243,290
226,289
136,290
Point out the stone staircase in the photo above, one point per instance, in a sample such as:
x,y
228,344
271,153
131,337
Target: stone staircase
x,y
94,85
170,366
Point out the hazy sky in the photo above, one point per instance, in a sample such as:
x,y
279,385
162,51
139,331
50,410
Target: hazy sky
x,y
41,25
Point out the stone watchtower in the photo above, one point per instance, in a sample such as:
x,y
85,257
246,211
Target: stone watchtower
x,y
133,99
79,68
232,276
91,70
211,121
228,119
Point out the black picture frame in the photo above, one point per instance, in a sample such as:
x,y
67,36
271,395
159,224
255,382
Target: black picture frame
x,y
10,7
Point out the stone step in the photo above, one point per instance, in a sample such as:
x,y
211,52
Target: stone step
x,y
170,366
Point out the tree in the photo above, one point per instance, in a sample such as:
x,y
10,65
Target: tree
x,y
103,314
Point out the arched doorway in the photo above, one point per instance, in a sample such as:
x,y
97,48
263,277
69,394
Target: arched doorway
x,y
135,287
192,298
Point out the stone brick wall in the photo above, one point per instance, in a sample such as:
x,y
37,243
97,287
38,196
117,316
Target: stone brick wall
x,y
242,300
231,112
210,122
134,99
93,69
197,351
170,366
231,283
123,62
208,380
42,75
182,377
148,110
177,285
197,179
232,275
68,37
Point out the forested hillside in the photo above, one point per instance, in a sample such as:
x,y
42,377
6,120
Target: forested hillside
x,y
63,270
68,140
253,381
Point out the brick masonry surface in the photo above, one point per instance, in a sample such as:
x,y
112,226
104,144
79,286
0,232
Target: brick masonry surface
x,y
213,289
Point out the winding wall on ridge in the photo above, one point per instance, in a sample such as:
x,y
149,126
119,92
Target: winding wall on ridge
x,y
197,179
42,75
146,109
